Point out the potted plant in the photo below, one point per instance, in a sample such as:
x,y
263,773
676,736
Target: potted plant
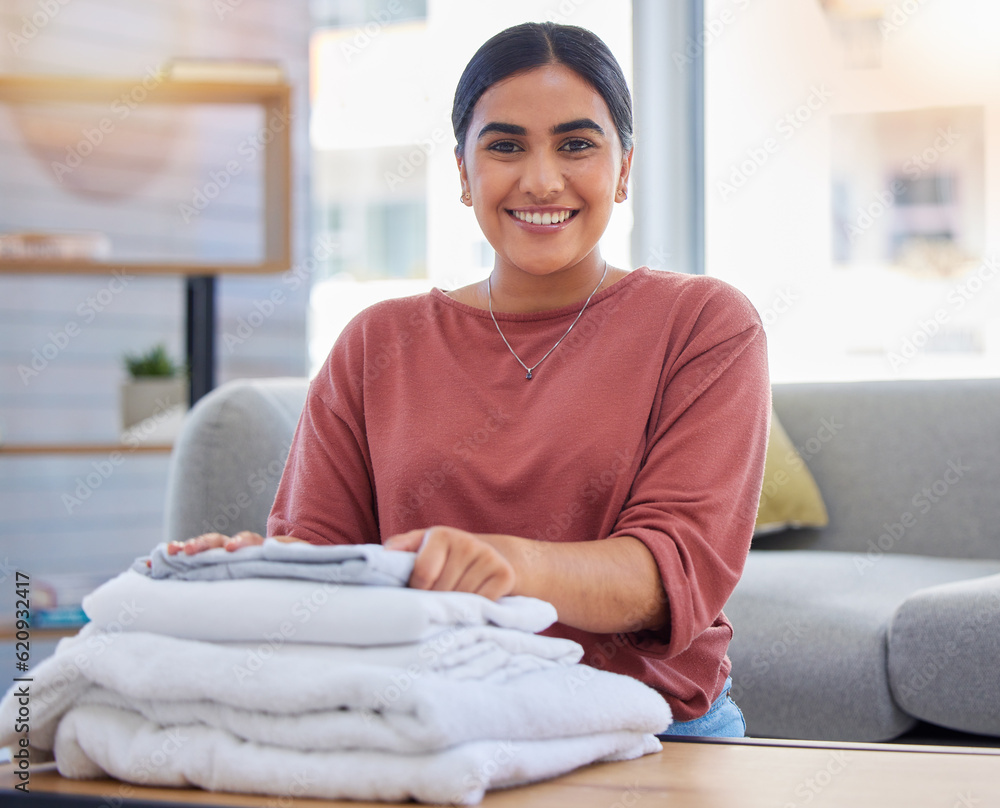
x,y
156,385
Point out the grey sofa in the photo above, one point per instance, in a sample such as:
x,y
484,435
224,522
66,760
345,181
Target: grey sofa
x,y
891,613
854,632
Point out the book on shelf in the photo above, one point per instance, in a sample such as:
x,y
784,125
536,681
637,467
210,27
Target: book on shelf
x,y
71,616
65,246
224,70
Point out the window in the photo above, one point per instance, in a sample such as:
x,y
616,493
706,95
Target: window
x,y
348,13
848,190
375,233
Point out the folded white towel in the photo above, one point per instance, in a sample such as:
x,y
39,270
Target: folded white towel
x,y
297,698
94,741
252,610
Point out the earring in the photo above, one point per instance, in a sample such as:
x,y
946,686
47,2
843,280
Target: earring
x,y
465,197
623,194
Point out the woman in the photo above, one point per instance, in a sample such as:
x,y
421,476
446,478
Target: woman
x,y
501,429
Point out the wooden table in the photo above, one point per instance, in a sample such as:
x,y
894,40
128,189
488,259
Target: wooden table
x,y
705,774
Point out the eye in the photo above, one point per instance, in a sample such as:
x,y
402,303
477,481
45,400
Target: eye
x,y
576,144
504,147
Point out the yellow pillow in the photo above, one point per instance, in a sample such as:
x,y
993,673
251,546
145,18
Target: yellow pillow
x,y
789,497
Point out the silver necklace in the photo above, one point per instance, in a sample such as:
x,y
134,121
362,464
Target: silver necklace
x,y
489,291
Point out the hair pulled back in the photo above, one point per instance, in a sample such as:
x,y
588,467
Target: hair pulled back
x,y
533,44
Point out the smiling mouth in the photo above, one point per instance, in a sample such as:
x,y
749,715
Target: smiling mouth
x,y
548,217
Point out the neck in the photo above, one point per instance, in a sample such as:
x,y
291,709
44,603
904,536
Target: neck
x,y
520,292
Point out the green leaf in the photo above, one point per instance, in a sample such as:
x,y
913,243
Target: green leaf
x,y
155,362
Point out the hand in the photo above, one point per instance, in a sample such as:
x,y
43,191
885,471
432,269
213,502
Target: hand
x,y
208,541
452,560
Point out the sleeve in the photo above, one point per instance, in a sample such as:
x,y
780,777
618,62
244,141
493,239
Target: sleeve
x,y
326,494
694,500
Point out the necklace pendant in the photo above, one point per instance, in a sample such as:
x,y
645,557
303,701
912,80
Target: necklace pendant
x,y
489,292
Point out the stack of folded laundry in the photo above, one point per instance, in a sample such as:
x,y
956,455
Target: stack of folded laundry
x,y
295,670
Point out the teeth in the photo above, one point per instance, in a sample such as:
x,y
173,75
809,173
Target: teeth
x,y
543,218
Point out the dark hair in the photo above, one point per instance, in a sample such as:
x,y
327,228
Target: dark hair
x,y
533,44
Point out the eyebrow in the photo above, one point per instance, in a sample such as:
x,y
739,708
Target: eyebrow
x,y
579,123
502,128
558,129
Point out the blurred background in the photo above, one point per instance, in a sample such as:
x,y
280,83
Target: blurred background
x,y
837,160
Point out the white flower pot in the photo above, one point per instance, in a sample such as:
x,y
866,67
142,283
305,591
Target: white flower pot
x,y
152,397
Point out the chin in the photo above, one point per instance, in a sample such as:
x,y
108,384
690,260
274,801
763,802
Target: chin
x,y
542,264
543,268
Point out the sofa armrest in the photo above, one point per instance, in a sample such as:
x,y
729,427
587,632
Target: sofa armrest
x,y
229,456
944,643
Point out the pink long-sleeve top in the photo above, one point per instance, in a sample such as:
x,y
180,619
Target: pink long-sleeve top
x,y
649,420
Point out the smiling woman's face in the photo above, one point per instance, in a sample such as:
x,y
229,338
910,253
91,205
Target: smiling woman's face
x,y
543,164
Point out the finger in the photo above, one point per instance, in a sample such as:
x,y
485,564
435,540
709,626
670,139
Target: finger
x,y
409,541
489,575
496,586
199,544
245,538
175,547
460,561
287,539
431,563
207,541
451,565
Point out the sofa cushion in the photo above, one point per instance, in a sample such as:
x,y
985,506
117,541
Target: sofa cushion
x,y
904,466
789,496
810,646
944,653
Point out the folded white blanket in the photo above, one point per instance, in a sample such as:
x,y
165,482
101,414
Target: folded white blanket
x,y
369,564
298,699
254,610
94,741
327,690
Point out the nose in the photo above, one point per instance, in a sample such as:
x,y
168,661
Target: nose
x,y
542,177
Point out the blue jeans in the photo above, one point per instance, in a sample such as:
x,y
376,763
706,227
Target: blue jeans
x,y
723,720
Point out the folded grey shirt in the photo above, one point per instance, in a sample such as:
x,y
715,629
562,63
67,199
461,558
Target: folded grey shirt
x,y
335,563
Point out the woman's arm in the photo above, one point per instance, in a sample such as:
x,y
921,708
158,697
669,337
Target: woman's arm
x,y
601,586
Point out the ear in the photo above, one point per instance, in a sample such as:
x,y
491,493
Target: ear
x,y
623,175
463,176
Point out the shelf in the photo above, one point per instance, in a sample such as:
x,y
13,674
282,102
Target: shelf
x,y
81,448
8,633
75,267
33,89
273,97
